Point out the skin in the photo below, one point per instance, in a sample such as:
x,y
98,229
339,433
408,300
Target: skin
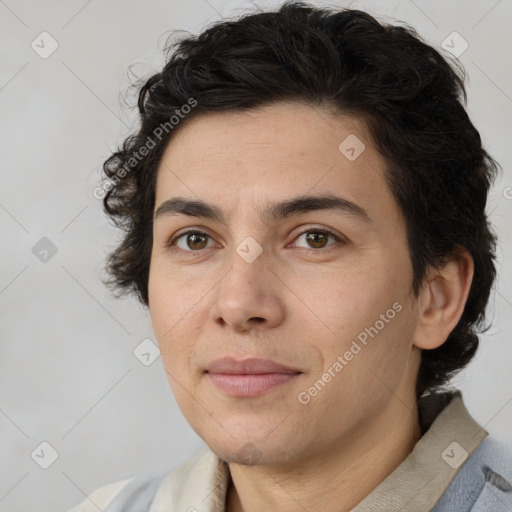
x,y
297,303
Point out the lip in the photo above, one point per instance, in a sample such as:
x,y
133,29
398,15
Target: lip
x,y
249,377
252,366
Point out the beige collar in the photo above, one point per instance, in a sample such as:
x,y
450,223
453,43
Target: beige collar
x,y
420,480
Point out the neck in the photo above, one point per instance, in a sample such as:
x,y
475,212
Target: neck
x,y
335,481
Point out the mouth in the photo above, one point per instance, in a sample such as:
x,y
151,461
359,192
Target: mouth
x,y
250,385
249,377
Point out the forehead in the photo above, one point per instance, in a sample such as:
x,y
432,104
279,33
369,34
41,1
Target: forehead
x,y
242,160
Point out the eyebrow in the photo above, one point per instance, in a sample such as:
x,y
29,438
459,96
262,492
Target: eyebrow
x,y
275,211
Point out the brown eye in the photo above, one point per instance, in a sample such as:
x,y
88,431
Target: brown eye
x,y
196,241
317,238
193,241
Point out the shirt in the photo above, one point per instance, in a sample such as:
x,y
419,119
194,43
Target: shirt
x,y
451,438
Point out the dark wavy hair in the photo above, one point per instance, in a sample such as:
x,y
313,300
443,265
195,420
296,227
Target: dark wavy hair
x,y
409,96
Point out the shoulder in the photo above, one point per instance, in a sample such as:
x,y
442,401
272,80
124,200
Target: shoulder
x,y
101,497
493,456
139,492
484,481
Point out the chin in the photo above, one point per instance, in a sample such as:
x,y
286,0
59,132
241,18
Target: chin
x,y
247,452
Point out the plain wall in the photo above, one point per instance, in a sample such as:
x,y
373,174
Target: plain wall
x,y
68,375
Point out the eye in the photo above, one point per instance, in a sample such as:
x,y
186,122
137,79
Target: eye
x,y
317,238
195,240
191,241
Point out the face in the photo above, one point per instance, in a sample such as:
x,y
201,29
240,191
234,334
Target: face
x,y
323,289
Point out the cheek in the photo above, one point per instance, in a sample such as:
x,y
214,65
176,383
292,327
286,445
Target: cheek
x,y
347,301
158,306
169,310
386,351
170,297
367,311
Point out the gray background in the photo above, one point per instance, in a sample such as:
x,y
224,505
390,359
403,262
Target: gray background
x,y
68,374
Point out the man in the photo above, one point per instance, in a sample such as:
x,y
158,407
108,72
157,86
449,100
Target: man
x,y
304,206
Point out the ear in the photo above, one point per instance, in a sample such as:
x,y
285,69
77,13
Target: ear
x,y
442,300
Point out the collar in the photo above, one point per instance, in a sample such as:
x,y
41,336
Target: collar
x,y
450,436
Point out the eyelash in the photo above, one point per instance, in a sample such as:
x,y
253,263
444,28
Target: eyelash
x,y
323,231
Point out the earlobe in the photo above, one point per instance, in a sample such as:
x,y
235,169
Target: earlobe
x,y
442,301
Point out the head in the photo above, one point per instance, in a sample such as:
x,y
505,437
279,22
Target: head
x,y
270,120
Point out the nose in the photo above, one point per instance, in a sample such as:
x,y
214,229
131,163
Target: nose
x,y
249,296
